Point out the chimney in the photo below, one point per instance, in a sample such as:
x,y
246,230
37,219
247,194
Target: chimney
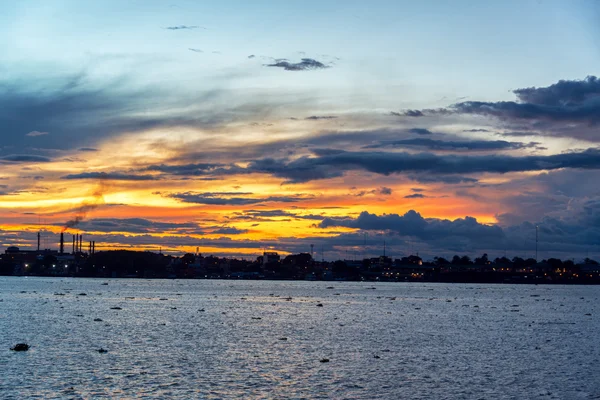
x,y
62,243
39,239
80,243
93,247
73,244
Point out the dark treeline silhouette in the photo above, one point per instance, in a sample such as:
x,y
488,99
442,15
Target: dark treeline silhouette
x,y
134,264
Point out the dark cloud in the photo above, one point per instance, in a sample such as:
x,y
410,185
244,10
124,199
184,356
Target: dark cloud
x,y
180,27
563,93
413,224
386,191
327,164
230,198
89,149
476,145
415,196
318,117
567,108
306,64
114,176
251,56
195,50
475,130
420,131
229,230
23,158
137,225
408,113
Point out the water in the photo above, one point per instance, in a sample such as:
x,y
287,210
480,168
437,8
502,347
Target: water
x,y
383,340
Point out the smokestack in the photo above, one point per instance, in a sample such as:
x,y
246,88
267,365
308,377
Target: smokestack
x,y
39,239
80,242
62,243
73,244
90,252
93,247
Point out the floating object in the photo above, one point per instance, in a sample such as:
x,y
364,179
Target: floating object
x,y
282,338
97,320
116,308
102,351
324,360
82,294
20,347
319,305
376,357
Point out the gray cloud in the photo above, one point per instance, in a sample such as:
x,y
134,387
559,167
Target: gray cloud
x,y
23,158
477,145
306,64
230,198
562,93
415,196
408,113
318,117
413,224
88,149
420,131
328,164
181,27
114,176
195,50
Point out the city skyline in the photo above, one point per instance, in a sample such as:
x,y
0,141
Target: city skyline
x,y
440,129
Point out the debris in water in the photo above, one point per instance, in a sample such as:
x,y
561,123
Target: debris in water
x,y
282,338
97,320
116,308
324,360
20,347
319,305
102,351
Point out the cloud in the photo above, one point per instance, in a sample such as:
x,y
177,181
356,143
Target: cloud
x,y
229,230
318,117
415,196
420,131
306,64
251,56
88,149
36,133
477,145
330,164
195,50
413,224
23,158
562,93
114,176
180,27
386,191
230,198
566,108
408,113
137,226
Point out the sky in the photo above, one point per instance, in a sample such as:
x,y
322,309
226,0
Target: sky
x,y
437,128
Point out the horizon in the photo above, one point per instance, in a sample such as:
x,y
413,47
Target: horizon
x,y
436,129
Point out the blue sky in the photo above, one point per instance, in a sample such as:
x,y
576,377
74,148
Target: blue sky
x,y
457,125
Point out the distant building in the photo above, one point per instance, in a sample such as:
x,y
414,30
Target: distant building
x,y
270,257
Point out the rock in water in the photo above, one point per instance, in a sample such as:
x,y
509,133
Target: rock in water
x,y
20,347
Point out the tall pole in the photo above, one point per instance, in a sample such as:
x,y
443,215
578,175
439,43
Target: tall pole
x,y
536,243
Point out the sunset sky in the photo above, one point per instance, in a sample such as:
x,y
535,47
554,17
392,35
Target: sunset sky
x,y
234,126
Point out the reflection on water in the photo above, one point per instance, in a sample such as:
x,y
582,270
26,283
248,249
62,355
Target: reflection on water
x,y
259,339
